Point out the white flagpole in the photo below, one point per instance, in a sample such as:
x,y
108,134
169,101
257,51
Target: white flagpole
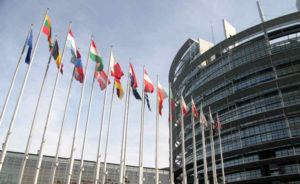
x,y
183,146
12,122
101,126
124,134
70,170
170,137
221,149
107,136
194,145
14,77
61,130
40,152
81,168
157,132
212,147
141,179
202,124
26,156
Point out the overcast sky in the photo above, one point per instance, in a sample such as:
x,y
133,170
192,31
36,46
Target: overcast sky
x,y
150,32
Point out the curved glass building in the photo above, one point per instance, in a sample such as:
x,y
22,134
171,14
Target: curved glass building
x,y
252,81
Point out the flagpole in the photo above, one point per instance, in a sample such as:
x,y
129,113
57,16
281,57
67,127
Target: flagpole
x,y
124,134
202,124
194,144
61,130
183,146
81,168
9,132
26,155
77,120
40,152
14,77
212,147
170,137
101,126
157,136
142,133
221,150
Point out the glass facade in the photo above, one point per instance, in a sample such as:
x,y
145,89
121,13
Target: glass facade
x,y
12,164
254,87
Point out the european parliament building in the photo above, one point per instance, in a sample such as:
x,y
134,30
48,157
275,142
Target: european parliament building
x,y
252,81
13,161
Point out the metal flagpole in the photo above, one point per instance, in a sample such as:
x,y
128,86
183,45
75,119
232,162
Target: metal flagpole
x,y
40,152
107,136
78,119
124,134
170,137
26,155
194,145
14,77
157,131
202,124
212,147
221,150
101,126
12,122
81,168
61,130
183,145
141,179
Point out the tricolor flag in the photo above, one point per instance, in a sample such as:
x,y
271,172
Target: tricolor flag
x,y
47,30
95,56
217,127
148,84
172,100
212,120
117,72
202,118
147,100
162,94
56,55
29,43
184,107
76,57
194,110
102,79
133,83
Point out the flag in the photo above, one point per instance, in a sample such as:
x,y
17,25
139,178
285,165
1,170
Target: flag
x,y
147,100
212,120
202,117
56,55
148,84
133,83
115,68
76,57
120,91
101,78
162,94
194,110
184,107
47,30
29,43
95,56
217,127
172,100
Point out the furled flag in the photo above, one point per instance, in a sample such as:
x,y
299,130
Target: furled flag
x,y
172,104
202,117
102,79
148,84
203,120
76,57
133,83
56,55
184,107
95,56
147,100
162,94
47,30
29,43
212,120
194,110
217,127
117,72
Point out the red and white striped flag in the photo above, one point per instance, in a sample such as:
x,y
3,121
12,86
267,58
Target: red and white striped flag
x,y
149,88
184,107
